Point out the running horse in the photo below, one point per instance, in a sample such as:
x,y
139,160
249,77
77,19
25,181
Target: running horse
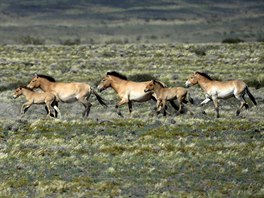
x,y
66,92
128,91
215,90
36,98
165,94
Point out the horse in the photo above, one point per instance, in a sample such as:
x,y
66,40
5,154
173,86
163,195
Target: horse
x,y
67,92
128,91
165,94
32,97
215,90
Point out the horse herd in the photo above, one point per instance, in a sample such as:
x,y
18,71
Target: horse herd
x,y
130,91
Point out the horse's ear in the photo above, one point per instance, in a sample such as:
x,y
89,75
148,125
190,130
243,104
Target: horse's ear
x,y
36,75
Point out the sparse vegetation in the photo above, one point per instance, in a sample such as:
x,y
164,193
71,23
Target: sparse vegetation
x,y
140,155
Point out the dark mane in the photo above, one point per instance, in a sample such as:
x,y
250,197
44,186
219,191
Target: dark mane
x,y
204,75
49,78
116,74
162,85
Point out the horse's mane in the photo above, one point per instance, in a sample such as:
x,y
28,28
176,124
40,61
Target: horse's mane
x,y
116,74
161,84
49,78
25,87
204,75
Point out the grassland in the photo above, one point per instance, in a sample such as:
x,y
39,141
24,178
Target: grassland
x,y
141,155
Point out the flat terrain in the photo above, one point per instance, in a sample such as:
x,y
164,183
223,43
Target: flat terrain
x,y
130,21
140,155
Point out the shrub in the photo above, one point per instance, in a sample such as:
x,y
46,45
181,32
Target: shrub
x,y
75,41
141,77
11,86
199,51
257,83
30,40
117,41
260,39
232,40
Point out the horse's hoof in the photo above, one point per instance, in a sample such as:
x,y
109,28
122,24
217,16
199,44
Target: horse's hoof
x,y
120,114
246,106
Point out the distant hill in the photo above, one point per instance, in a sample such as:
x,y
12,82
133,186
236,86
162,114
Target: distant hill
x,y
144,21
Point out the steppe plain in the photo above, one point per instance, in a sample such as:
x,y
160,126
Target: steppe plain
x,y
140,155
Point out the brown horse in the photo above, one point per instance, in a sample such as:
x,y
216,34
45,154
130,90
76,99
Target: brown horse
x,y
36,98
128,91
67,92
215,90
165,94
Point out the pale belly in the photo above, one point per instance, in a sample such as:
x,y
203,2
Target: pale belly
x,y
139,97
225,94
68,99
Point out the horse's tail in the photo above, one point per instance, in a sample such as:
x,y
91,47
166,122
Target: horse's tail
x,y
190,99
251,96
99,98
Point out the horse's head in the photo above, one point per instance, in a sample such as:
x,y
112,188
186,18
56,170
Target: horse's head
x,y
192,80
105,83
34,83
150,86
18,92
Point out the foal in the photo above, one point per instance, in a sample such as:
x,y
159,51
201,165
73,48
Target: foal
x,y
67,92
36,98
128,91
166,94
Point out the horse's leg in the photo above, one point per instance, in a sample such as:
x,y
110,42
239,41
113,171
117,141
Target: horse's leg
x,y
158,106
216,106
57,110
164,107
174,105
46,108
180,104
49,107
55,103
25,107
130,106
88,109
87,105
243,103
206,100
123,101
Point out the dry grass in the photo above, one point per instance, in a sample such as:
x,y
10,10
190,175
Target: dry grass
x,y
139,155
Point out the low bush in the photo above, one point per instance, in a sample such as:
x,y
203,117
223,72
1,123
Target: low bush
x,y
141,77
75,41
232,40
30,40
